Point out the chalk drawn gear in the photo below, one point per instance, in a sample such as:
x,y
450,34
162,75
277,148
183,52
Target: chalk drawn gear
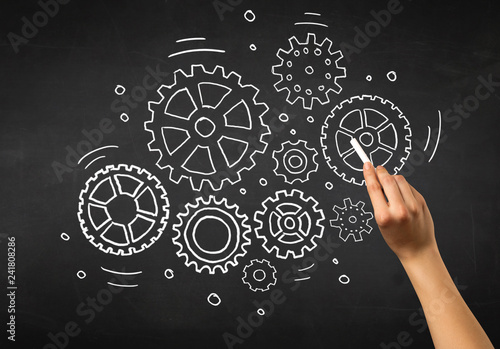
x,y
123,209
295,161
352,220
381,128
309,70
198,220
289,224
207,127
259,275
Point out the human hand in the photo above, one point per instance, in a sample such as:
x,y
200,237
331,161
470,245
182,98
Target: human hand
x,y
401,213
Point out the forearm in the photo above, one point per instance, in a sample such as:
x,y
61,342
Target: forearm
x,y
450,321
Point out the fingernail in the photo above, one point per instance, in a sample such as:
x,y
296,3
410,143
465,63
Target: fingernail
x,y
367,165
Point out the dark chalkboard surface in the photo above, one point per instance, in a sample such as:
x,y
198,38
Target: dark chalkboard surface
x,y
179,173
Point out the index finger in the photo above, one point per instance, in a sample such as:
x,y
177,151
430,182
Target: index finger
x,y
374,188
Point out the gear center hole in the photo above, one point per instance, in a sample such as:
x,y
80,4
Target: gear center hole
x,y
289,223
259,275
205,127
122,209
366,139
353,219
215,239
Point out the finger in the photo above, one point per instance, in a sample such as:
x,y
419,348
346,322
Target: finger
x,y
391,189
374,188
406,191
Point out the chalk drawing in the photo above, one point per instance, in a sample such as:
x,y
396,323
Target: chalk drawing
x,y
284,117
352,220
263,182
392,76
307,268
191,39
214,299
380,127
203,124
295,161
344,279
249,16
124,117
169,273
259,275
302,279
81,274
293,132
64,236
261,312
243,191
218,248
439,135
94,160
92,152
310,119
428,138
329,185
289,224
253,47
119,90
122,285
123,209
213,50
368,78
121,272
335,261
309,70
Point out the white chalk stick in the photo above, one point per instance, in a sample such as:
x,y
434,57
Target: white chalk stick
x,y
359,150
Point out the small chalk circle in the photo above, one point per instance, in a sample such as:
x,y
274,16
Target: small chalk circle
x,y
359,150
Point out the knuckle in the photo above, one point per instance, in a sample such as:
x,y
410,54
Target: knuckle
x,y
403,215
383,219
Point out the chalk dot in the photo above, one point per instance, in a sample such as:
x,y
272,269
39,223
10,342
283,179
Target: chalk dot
x,y
65,236
344,279
213,299
309,70
293,132
283,117
309,92
335,261
253,47
81,274
392,76
321,87
368,78
169,274
263,182
310,119
289,77
289,64
261,312
243,191
328,61
249,16
124,117
328,76
329,185
317,52
297,88
119,90
306,50
296,53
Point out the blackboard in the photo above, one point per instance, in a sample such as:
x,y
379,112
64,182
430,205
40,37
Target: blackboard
x,y
177,173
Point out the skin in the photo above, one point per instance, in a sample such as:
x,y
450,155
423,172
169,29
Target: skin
x,y
406,225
